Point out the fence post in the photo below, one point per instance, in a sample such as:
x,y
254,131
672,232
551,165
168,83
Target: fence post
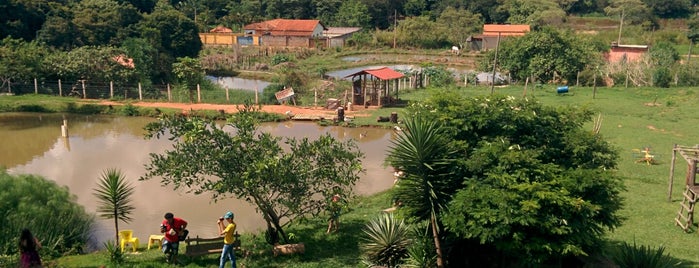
x,y
198,93
140,93
169,95
111,89
60,88
84,92
227,99
36,87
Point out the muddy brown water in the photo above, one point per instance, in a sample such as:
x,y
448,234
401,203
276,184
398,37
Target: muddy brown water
x,y
33,144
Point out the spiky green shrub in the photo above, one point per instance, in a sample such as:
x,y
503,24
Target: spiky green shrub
x,y
385,241
640,256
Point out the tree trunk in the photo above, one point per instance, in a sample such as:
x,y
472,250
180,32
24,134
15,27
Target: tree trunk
x,y
116,227
437,244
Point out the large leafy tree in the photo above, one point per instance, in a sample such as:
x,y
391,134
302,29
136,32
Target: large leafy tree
x,y
533,12
536,185
353,13
423,153
625,9
19,60
543,54
461,24
114,194
189,73
241,161
99,22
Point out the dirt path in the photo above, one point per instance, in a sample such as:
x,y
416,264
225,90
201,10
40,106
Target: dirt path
x,y
232,108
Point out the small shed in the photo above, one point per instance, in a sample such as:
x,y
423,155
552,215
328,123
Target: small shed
x,y
625,53
374,87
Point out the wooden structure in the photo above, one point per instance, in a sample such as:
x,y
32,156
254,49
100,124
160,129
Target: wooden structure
x,y
203,246
374,87
685,216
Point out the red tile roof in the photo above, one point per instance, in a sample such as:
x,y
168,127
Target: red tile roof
x,y
285,27
221,29
383,73
505,29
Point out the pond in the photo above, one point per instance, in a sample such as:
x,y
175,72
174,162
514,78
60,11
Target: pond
x,y
97,143
239,83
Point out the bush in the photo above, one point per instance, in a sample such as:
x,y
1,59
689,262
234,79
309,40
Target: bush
x,y
48,210
386,241
628,256
662,77
268,93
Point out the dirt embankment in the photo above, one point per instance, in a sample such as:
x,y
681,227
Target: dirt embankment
x,y
232,108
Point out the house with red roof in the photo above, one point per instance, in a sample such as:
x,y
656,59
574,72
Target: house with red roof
x,y
288,33
489,38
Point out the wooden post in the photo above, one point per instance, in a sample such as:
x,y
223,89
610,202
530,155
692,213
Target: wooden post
x,y
256,95
84,92
111,89
577,79
495,64
672,172
64,128
594,85
227,97
36,87
140,92
198,93
169,94
60,88
315,97
526,82
691,172
365,90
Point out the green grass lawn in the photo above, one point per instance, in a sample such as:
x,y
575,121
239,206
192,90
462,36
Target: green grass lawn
x,y
632,118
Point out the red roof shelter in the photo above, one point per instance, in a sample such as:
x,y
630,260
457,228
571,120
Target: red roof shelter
x,y
372,87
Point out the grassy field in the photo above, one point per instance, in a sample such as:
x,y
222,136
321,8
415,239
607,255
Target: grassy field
x,y
632,118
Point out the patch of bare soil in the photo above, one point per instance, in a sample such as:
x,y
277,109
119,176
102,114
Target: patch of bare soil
x,y
232,108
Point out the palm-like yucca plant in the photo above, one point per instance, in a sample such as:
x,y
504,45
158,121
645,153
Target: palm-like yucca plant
x,y
423,153
114,194
640,256
386,241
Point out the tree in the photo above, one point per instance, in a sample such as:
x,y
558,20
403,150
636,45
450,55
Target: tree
x,y
542,54
536,13
536,186
423,154
461,23
189,73
353,13
249,164
99,22
421,32
692,34
114,194
626,8
19,60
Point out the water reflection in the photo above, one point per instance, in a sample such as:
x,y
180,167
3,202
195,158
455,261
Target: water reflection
x,y
97,143
239,83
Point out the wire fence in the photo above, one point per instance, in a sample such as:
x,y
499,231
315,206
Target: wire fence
x,y
85,89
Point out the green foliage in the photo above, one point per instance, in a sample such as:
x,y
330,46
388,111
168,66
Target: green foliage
x,y
439,76
280,58
461,23
541,54
284,185
50,211
268,96
353,13
421,249
663,54
129,110
536,185
421,32
536,13
662,77
385,241
640,256
188,71
114,195
114,251
20,60
688,74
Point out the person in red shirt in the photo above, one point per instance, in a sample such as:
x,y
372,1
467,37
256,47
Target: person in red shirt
x,y
173,228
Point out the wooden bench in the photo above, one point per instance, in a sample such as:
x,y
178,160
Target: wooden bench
x,y
203,246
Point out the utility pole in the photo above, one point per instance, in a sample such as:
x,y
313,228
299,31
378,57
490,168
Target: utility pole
x,y
395,26
495,64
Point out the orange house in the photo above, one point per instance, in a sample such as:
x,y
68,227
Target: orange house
x,y
489,38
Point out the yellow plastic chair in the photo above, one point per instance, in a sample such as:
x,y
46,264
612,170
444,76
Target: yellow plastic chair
x,y
126,237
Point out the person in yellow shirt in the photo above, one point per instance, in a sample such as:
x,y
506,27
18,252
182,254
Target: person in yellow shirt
x,y
227,232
